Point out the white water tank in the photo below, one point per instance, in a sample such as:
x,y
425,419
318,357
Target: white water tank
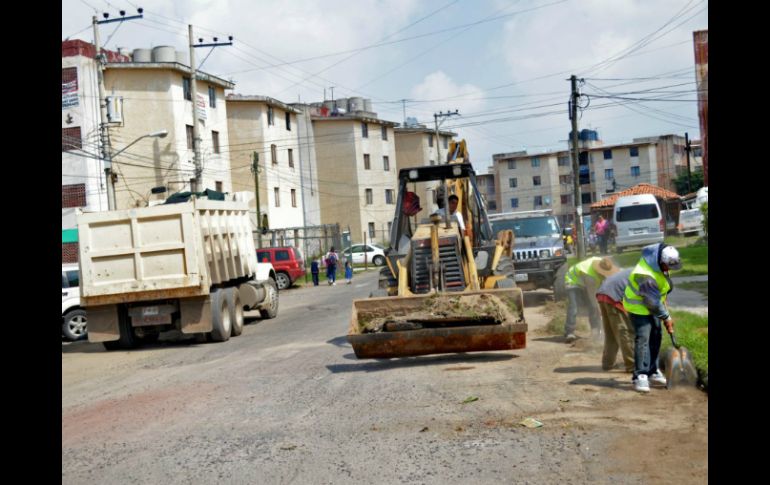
x,y
163,53
181,58
142,55
356,104
368,106
342,103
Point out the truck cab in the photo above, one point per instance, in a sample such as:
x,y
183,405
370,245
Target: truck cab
x,y
538,251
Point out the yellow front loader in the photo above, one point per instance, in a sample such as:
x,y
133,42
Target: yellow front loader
x,y
444,289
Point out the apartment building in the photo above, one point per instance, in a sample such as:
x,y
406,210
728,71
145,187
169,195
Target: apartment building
x,y
488,190
357,168
417,146
268,128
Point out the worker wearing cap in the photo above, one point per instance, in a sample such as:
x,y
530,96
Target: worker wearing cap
x,y
645,301
618,330
582,281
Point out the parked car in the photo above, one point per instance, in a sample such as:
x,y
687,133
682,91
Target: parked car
x,y
73,316
374,253
691,221
287,261
638,221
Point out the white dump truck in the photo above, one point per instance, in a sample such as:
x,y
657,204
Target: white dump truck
x,y
189,266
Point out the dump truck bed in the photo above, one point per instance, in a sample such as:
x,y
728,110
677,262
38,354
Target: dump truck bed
x,y
165,251
463,329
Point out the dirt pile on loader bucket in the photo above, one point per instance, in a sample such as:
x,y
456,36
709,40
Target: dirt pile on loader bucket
x,y
439,323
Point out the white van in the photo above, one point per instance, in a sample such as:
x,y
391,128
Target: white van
x,y
638,221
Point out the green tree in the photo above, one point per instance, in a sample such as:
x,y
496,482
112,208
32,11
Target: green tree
x,y
680,182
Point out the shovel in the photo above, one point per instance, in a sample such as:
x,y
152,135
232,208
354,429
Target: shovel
x,y
677,365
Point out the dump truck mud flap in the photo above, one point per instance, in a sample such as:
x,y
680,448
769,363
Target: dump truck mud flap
x,y
439,333
103,323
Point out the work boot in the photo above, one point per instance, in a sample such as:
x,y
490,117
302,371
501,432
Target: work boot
x,y
570,338
658,378
641,383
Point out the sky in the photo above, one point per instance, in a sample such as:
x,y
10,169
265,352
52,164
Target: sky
x,y
504,65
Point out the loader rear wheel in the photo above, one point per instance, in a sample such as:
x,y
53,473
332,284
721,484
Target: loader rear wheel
x,y
220,316
128,339
505,268
272,297
236,311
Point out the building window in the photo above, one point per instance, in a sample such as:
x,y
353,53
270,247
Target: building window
x,y
609,174
430,140
538,200
384,132
513,183
390,227
608,154
190,135
433,162
215,140
218,185
73,195
386,164
187,88
566,199
288,121
389,196
270,116
371,231
563,161
274,154
68,75
212,97
492,205
293,197
634,151
71,139
364,130
635,171
291,158
369,197
514,203
565,179
367,165
511,164
586,197
536,180
593,177
446,142
277,195
535,162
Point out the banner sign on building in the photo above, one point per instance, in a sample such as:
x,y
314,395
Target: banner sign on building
x,y
201,108
69,94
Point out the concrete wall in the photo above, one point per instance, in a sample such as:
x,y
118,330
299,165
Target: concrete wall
x,y
309,166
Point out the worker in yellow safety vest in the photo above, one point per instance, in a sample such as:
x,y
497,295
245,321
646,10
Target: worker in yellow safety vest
x,y
645,301
582,280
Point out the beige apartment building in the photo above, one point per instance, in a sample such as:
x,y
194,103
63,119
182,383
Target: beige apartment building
x,y
416,146
357,171
267,127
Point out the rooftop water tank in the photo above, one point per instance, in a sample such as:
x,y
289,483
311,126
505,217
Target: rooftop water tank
x,y
368,105
142,55
181,58
342,103
163,53
356,104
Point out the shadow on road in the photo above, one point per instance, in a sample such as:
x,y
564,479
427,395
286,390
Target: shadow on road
x,y
578,368
559,339
537,298
375,365
609,382
341,341
166,341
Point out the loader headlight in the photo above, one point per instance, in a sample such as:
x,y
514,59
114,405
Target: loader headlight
x,y
457,171
413,174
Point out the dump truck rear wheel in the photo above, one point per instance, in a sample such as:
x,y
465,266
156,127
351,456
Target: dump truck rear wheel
x,y
220,316
236,311
272,297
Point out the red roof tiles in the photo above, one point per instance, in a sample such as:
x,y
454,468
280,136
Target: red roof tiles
x,y
636,190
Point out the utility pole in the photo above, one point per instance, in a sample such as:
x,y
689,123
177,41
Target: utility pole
x,y
255,170
403,106
103,126
194,94
579,239
436,116
687,148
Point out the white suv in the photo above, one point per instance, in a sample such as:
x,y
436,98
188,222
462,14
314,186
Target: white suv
x,y
72,314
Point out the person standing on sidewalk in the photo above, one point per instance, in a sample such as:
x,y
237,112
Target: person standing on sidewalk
x,y
348,271
331,266
602,232
618,331
314,271
645,301
582,281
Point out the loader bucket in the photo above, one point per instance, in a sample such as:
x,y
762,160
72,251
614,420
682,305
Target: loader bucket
x,y
472,321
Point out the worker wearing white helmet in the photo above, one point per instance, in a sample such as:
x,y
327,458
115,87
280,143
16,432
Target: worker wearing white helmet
x,y
645,301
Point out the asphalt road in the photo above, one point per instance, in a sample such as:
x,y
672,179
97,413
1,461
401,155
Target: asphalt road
x,y
288,402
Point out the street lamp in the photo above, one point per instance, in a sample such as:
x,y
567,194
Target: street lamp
x,y
111,202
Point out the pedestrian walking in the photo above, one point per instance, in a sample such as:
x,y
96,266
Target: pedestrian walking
x,y
348,271
618,331
645,301
314,271
331,267
602,232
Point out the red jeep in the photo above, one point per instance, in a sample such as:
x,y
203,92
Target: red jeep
x,y
287,261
